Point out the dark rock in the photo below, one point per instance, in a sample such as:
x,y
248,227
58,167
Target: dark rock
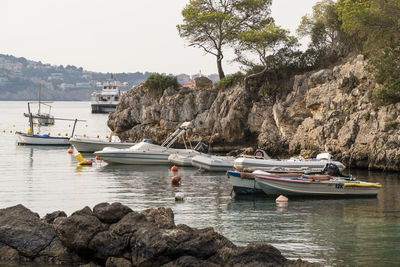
x,y
118,262
50,217
76,231
110,213
162,217
106,244
85,211
23,230
129,224
58,254
190,261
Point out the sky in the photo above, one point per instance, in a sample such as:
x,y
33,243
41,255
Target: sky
x,y
116,36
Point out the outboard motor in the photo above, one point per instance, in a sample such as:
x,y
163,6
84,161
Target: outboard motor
x,y
331,169
201,147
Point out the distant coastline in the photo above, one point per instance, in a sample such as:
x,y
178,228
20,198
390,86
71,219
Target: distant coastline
x,y
20,78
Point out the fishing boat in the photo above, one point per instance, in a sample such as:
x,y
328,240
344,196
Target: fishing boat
x,y
44,139
106,101
213,162
145,152
245,182
315,185
287,165
90,145
30,138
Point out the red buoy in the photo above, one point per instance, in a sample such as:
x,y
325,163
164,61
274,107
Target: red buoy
x,y
70,150
97,158
174,169
175,180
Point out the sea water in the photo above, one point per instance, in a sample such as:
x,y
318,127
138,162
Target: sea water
x,y
334,232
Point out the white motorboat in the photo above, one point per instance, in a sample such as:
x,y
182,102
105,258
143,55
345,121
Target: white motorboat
x,y
36,139
185,159
212,162
90,145
146,152
288,165
315,185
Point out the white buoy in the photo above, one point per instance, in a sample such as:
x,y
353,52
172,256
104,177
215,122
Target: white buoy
x,y
179,196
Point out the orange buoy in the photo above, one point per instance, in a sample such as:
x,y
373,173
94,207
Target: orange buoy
x,y
174,169
70,150
175,180
98,158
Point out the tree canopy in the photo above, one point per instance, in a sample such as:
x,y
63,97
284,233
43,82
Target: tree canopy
x,y
213,24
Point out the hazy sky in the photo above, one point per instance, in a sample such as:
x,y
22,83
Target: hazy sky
x,y
115,36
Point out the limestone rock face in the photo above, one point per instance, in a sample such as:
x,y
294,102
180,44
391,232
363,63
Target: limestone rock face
x,y
330,110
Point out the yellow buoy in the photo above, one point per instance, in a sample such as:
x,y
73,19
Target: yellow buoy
x,y
29,131
86,125
107,136
59,134
37,132
84,135
66,134
98,136
4,131
48,133
10,131
81,160
69,125
13,125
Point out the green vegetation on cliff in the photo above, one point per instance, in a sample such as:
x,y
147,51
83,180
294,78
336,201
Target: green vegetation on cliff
x,y
157,83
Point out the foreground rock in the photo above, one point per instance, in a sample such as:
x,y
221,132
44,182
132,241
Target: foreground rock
x,y
328,110
114,235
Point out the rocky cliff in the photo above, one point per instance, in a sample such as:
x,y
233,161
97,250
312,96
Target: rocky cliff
x,y
327,110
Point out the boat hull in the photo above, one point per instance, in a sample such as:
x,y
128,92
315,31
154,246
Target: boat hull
x,y
181,159
290,165
292,187
244,183
25,139
103,108
135,158
213,163
91,145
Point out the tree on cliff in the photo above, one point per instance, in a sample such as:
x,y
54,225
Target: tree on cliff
x,y
272,47
377,24
212,24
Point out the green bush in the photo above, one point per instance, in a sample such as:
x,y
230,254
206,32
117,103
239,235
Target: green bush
x,y
157,83
388,94
230,80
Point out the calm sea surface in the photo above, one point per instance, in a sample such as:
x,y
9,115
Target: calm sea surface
x,y
343,232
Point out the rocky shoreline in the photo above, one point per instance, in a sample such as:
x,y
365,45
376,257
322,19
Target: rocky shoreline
x,y
115,235
330,110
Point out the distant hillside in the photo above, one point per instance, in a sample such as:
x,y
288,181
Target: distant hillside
x,y
20,79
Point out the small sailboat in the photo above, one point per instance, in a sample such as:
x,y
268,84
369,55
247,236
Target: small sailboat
x,y
30,138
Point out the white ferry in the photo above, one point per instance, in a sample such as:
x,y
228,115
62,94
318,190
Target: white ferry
x,y
106,100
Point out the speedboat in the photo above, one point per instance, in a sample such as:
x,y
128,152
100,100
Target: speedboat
x,y
287,165
90,145
213,162
315,185
145,152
